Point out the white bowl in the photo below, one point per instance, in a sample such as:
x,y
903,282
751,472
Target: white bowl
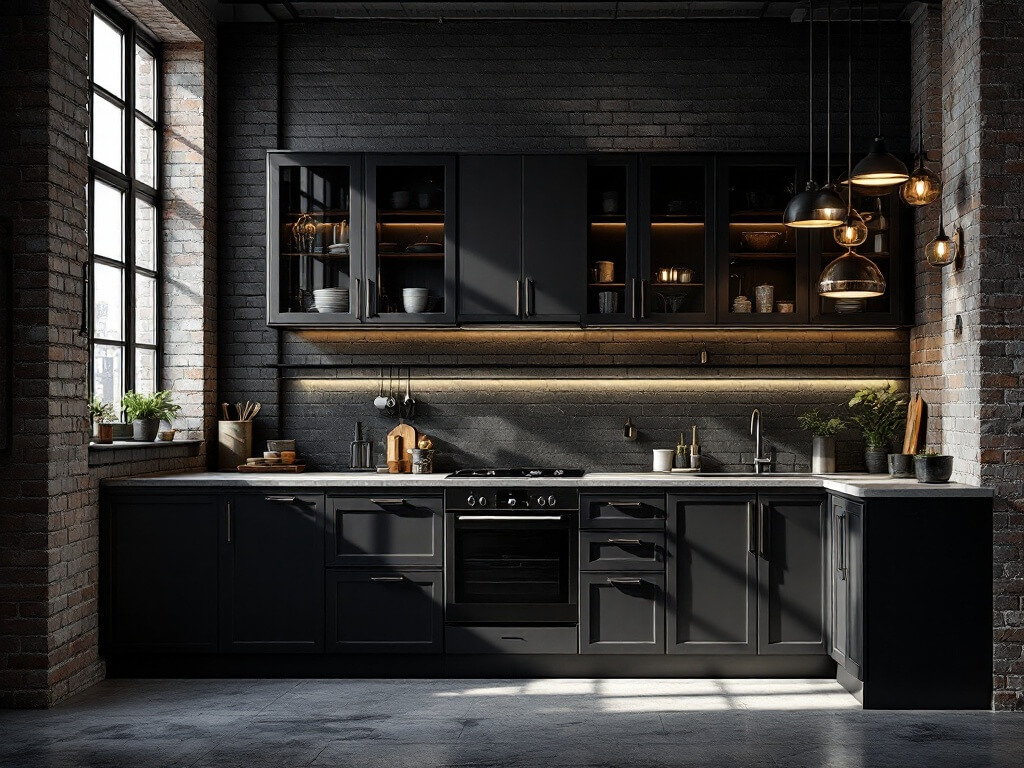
x,y
414,303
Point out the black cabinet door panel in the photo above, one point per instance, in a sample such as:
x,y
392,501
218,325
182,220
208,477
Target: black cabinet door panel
x,y
622,613
384,612
490,238
554,237
712,575
791,578
387,529
853,562
272,574
160,588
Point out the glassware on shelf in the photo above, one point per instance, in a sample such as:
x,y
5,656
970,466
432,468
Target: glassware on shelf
x,y
764,295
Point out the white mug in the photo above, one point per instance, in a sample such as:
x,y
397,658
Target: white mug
x,y
663,459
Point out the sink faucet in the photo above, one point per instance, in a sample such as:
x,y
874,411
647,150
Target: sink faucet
x,y
761,465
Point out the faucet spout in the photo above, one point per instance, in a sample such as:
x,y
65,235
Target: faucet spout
x,y
760,463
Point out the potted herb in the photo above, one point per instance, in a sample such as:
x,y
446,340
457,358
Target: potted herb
x,y
146,412
879,412
824,429
102,414
933,467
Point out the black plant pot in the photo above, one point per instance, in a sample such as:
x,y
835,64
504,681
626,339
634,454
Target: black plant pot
x,y
933,469
144,430
876,460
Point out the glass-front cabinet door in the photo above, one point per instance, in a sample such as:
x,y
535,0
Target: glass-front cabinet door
x,y
762,262
410,239
314,238
883,217
676,269
611,239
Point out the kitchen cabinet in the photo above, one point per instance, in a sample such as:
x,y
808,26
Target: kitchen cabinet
x,y
612,242
617,551
522,238
712,574
791,601
386,529
271,580
160,573
383,611
746,574
624,511
846,536
622,612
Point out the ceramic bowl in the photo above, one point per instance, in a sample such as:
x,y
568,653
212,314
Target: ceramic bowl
x,y
762,241
279,446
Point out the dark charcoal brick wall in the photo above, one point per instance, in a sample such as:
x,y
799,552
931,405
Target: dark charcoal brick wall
x,y
549,86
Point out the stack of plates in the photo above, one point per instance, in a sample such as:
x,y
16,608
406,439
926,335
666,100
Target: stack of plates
x,y
849,306
338,248
331,299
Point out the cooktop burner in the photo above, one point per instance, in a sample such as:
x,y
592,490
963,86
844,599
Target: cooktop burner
x,y
518,472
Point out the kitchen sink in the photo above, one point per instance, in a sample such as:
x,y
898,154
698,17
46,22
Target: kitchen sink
x,y
752,475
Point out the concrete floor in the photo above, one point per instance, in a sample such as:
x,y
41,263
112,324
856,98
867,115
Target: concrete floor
x,y
508,723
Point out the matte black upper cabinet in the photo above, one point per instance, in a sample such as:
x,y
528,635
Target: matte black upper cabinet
x,y
522,238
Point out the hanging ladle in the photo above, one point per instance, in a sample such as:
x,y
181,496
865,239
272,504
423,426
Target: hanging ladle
x,y
380,402
409,403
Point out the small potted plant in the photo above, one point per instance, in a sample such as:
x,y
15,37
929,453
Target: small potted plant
x,y
824,429
102,414
879,412
146,411
933,467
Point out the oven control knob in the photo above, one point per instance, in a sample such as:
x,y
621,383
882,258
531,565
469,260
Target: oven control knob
x,y
512,501
552,501
482,501
541,501
471,501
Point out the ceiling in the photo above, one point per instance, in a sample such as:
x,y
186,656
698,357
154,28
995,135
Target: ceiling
x,y
796,10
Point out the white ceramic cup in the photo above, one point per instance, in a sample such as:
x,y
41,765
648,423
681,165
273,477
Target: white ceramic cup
x,y
663,459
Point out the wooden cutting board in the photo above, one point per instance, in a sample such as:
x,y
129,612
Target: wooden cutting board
x,y
400,440
272,468
915,425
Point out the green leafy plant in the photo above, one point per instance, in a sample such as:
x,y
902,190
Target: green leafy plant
x,y
141,406
101,412
821,425
879,412
930,452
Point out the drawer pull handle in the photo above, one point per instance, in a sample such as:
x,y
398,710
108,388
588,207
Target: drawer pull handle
x,y
629,504
513,637
284,499
616,582
508,518
388,502
387,579
625,541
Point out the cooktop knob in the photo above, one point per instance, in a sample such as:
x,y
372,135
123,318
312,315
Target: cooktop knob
x,y
552,501
512,501
541,501
482,501
471,501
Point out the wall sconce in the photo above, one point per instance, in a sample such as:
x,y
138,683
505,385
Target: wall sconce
x,y
942,251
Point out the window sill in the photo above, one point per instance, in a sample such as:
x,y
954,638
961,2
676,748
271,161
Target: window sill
x,y
128,450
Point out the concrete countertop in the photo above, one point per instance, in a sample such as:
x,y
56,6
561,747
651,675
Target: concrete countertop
x,y
859,485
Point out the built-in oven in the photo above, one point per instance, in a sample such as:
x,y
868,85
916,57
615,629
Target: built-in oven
x,y
511,556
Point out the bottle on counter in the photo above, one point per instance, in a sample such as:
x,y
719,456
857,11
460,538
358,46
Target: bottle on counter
x,y
681,459
694,450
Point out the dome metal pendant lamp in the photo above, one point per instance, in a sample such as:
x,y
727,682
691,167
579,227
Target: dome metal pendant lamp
x,y
879,168
813,208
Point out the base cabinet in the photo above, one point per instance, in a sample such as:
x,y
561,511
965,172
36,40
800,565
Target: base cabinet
x,y
846,582
385,612
622,613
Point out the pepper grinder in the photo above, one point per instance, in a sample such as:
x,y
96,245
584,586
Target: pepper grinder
x,y
360,451
680,460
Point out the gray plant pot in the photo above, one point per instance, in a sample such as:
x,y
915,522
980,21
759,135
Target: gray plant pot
x,y
144,430
823,455
933,469
876,460
901,464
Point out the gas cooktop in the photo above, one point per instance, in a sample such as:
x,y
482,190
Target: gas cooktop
x,y
518,472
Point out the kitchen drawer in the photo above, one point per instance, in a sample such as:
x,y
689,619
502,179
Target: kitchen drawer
x,y
622,551
623,511
464,639
389,528
622,613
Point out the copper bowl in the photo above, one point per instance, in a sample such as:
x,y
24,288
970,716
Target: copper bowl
x,y
762,241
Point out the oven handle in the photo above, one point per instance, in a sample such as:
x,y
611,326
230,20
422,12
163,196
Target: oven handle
x,y
516,518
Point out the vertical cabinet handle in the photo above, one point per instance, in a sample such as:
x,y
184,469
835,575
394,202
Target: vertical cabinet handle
x,y
529,297
231,522
633,297
751,528
369,307
519,298
762,544
843,531
356,304
643,299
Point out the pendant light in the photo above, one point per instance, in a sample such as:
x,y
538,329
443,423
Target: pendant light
x,y
853,231
923,186
942,251
851,276
813,208
879,168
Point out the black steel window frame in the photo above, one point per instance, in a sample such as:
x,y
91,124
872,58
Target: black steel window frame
x,y
132,189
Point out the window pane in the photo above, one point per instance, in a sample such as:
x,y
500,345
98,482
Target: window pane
x,y
145,235
108,303
145,370
145,82
145,153
107,368
107,56
145,309
108,133
108,221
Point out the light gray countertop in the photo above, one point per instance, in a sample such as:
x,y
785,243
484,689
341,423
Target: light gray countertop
x,y
859,485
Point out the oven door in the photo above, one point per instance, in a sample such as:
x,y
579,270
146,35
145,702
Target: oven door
x,y
511,569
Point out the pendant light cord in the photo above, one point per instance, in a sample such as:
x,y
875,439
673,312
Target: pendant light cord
x,y
849,107
828,92
810,93
878,65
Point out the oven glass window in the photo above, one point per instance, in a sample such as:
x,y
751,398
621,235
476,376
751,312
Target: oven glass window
x,y
511,565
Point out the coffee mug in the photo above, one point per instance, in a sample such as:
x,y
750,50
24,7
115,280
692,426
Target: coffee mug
x,y
663,459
